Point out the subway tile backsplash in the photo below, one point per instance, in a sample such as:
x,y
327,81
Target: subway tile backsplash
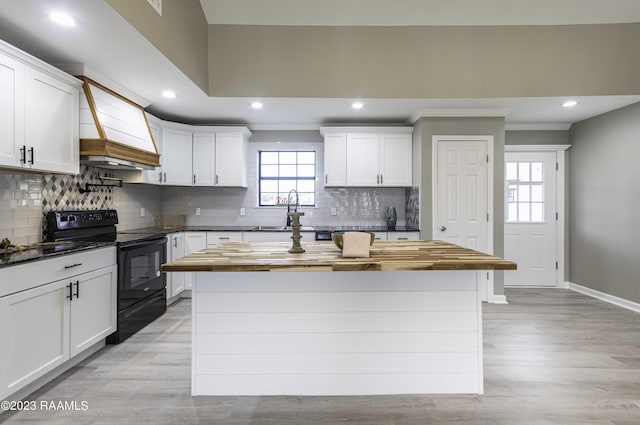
x,y
21,207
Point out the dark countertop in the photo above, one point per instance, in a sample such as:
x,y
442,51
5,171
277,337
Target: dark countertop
x,y
48,251
152,230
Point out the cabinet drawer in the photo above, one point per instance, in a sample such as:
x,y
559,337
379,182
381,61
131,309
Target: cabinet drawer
x,y
30,275
214,238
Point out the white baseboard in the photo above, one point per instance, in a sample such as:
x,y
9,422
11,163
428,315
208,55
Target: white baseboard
x,y
612,299
498,299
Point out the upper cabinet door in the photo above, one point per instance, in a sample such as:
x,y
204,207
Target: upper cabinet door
x,y
231,159
204,159
363,160
154,176
335,159
395,159
176,157
11,111
52,123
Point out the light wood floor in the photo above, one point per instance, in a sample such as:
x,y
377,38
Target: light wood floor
x,y
551,357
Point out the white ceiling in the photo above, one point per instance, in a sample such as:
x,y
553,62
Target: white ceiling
x,y
117,55
420,12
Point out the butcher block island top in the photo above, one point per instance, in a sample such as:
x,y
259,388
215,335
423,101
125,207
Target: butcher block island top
x,y
325,256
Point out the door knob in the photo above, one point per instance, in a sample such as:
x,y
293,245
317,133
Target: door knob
x,y
443,229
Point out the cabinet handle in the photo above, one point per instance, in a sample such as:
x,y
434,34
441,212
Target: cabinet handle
x,y
223,238
326,178
216,179
70,296
403,239
73,265
381,179
160,176
23,154
175,242
77,289
165,177
377,178
194,179
32,160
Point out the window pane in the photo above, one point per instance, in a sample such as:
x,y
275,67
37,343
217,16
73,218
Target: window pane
x,y
288,171
536,171
269,157
523,172
285,186
536,193
307,199
269,171
523,193
306,170
306,157
269,185
287,157
306,185
523,212
268,198
512,171
512,212
512,193
537,214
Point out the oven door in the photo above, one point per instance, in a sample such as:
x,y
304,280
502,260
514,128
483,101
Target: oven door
x,y
139,274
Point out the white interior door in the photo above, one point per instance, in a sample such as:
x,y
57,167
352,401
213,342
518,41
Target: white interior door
x,y
530,237
462,194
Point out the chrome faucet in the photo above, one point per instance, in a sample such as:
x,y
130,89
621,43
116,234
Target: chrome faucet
x,y
295,206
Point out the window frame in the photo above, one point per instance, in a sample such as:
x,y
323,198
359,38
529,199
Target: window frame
x,y
279,178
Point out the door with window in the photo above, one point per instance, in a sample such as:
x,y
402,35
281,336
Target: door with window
x,y
530,237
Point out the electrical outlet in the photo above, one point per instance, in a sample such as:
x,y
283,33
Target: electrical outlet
x,y
243,212
334,211
198,211
143,212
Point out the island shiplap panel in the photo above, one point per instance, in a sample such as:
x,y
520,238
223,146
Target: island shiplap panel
x,y
345,342
372,333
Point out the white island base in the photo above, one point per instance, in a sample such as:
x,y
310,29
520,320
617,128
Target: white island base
x,y
336,333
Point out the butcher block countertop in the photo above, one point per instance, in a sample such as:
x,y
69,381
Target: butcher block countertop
x,y
324,256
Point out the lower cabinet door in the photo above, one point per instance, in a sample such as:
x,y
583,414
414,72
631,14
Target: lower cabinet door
x,y
34,334
93,308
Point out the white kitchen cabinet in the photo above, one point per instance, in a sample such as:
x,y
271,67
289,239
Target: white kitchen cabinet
x,y
380,236
396,161
193,242
204,159
176,157
367,156
231,158
39,115
11,111
42,325
176,249
335,159
403,236
363,159
214,238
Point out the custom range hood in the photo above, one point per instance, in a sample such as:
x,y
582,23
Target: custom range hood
x,y
114,132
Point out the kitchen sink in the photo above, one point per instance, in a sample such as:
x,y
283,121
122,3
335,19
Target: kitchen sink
x,y
281,228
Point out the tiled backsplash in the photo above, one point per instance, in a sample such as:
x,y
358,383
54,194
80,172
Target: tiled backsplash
x,y
21,207
413,207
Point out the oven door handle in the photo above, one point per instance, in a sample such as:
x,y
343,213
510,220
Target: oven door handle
x,y
145,242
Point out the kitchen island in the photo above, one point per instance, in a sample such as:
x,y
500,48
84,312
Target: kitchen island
x,y
406,320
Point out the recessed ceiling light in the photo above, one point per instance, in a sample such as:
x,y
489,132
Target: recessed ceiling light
x,y
357,105
169,94
257,105
569,103
62,18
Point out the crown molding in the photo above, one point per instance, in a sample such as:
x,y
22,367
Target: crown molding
x,y
458,112
535,126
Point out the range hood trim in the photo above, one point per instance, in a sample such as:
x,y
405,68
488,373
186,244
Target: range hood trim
x,y
101,151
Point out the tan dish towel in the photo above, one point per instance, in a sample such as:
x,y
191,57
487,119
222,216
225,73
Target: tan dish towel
x,y
356,244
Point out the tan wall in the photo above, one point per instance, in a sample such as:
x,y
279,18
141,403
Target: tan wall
x,y
180,33
431,62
